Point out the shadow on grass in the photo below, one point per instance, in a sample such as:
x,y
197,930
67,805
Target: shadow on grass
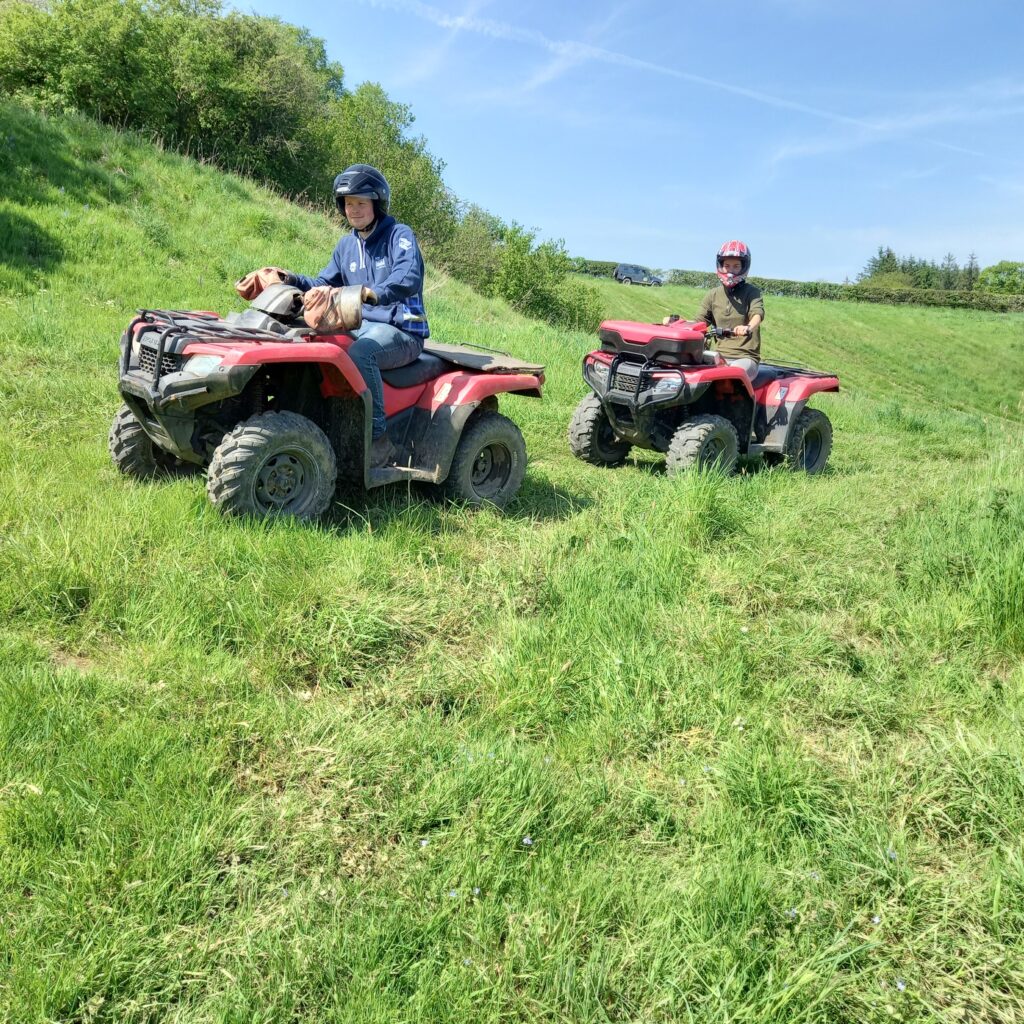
x,y
47,164
744,468
25,247
422,509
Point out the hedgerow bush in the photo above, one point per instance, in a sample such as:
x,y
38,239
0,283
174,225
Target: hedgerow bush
x,y
868,291
505,260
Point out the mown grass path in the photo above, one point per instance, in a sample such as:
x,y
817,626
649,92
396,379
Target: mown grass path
x,y
640,749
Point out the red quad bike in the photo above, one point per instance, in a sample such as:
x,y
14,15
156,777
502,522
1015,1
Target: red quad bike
x,y
280,417
651,388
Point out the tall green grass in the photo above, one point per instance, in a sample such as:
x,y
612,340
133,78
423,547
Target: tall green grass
x,y
638,749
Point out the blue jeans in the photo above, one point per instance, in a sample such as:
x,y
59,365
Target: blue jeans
x,y
382,347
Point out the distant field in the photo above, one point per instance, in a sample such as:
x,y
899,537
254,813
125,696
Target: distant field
x,y
640,749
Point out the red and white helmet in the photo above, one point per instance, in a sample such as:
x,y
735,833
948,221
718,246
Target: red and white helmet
x,y
740,250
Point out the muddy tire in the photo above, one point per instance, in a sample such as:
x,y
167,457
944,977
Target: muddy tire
x,y
277,463
809,443
703,443
489,462
132,450
591,437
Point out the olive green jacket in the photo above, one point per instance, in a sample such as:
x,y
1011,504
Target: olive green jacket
x,y
731,307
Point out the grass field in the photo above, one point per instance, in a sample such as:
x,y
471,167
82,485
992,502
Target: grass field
x,y
640,749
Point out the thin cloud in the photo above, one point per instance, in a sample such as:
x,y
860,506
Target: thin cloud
x,y
580,52
569,53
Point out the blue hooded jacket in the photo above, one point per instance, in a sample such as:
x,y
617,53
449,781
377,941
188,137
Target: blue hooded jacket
x,y
390,263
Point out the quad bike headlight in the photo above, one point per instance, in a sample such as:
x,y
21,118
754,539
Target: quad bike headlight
x,y
202,365
597,374
668,385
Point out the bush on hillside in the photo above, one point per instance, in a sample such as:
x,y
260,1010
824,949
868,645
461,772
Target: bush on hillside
x,y
252,94
504,260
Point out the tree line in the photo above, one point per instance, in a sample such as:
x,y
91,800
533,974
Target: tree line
x,y
260,97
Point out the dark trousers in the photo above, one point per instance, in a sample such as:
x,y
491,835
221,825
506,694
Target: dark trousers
x,y
382,347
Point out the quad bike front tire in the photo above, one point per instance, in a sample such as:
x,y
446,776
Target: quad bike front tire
x,y
708,443
133,451
591,437
274,464
809,443
489,462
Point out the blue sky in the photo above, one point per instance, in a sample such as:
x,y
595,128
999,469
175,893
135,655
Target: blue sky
x,y
650,132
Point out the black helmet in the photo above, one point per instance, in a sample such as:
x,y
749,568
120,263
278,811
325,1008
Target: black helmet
x,y
366,182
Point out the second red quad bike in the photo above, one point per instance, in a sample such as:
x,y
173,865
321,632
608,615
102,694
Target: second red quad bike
x,y
651,388
279,416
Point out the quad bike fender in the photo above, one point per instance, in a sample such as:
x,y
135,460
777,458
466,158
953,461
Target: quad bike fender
x,y
783,401
340,377
434,425
470,389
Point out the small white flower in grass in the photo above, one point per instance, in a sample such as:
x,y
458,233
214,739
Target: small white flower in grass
x,y
791,913
682,782
547,759
706,769
453,894
901,985
490,756
423,842
467,962
813,876
890,853
527,841
876,919
476,890
744,629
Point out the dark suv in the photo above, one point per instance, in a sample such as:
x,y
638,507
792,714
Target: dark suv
x,y
630,273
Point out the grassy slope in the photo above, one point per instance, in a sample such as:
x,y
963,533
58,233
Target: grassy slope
x,y
281,772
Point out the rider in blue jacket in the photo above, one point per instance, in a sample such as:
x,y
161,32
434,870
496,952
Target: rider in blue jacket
x,y
383,255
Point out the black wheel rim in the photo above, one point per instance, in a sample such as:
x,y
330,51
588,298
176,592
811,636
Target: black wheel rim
x,y
810,449
491,470
606,442
283,481
714,451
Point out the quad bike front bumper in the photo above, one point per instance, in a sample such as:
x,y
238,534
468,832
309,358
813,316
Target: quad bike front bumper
x,y
165,403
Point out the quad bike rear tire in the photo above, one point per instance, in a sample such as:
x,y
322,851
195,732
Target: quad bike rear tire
x,y
591,437
133,451
809,443
489,463
708,443
274,464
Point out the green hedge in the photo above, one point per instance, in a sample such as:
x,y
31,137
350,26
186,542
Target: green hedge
x,y
864,292
595,268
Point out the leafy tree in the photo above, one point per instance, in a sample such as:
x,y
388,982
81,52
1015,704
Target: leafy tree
x,y
1004,278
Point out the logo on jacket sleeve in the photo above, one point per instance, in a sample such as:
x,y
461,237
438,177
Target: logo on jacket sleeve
x,y
405,243
381,262
352,266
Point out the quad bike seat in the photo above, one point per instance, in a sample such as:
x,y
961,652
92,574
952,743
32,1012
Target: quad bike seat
x,y
765,375
438,358
426,367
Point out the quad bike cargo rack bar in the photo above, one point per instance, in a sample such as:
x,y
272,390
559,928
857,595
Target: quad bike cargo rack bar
x,y
186,325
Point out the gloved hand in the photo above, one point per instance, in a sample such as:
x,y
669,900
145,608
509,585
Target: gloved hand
x,y
671,319
252,284
316,303
336,309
